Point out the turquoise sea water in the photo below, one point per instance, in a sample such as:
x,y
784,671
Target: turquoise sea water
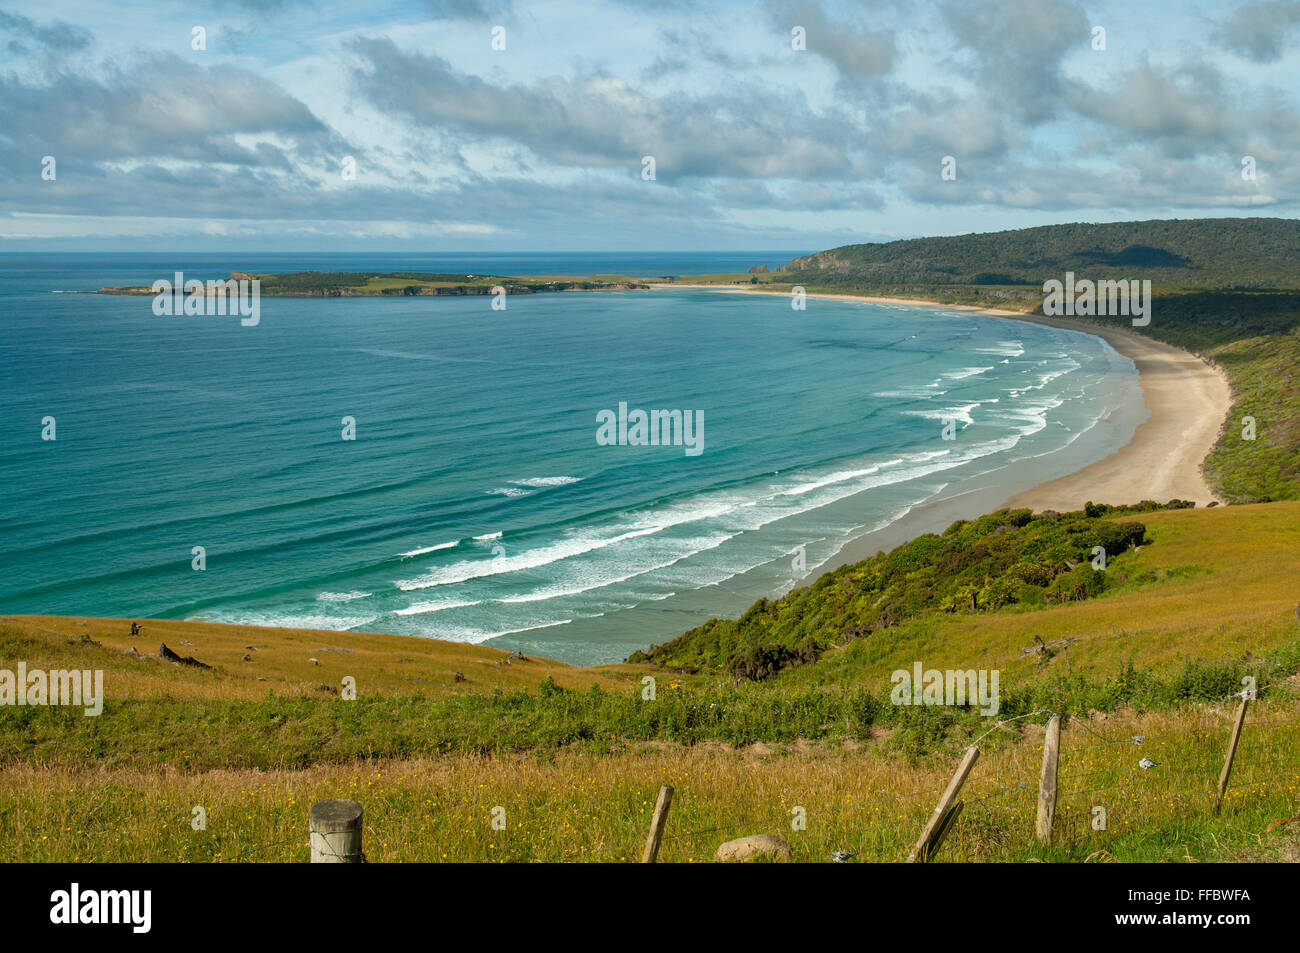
x,y
475,502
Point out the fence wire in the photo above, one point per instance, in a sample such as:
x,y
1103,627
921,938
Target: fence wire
x,y
1005,782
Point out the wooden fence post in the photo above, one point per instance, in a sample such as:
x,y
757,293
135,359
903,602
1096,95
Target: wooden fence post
x,y
336,832
1047,783
657,825
940,819
945,826
1232,752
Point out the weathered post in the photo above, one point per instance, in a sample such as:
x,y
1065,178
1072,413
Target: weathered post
x,y
657,823
945,826
1232,752
939,819
1047,783
336,832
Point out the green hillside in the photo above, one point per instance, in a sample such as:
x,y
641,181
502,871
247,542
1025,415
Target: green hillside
x,y
1222,253
1179,584
1007,558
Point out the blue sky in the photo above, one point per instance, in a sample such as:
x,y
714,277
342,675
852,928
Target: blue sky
x,y
539,146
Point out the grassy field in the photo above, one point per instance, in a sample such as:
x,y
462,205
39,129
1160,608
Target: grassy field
x,y
579,806
575,756
280,661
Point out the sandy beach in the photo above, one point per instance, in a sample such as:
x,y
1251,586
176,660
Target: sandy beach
x,y
1188,401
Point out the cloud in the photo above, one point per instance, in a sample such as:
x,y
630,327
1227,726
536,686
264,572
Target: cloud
x,y
750,137
799,197
1017,47
57,38
1258,31
162,108
855,51
601,121
1188,109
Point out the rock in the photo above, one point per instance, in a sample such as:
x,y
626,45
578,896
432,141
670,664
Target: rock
x,y
758,846
518,656
170,656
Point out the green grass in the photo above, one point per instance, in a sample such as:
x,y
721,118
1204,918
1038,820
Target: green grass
x,y
298,733
579,806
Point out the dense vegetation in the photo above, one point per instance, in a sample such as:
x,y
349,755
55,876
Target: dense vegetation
x,y
1006,558
1231,253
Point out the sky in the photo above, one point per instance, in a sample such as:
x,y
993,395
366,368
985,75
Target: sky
x,y
469,125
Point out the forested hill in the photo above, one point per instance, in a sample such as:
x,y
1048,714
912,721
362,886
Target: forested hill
x,y
1221,253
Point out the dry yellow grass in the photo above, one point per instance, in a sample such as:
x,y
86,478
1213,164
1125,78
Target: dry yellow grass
x,y
280,660
585,807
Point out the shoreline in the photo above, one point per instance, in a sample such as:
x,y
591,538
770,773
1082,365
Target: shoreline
x,y
1187,399
1162,460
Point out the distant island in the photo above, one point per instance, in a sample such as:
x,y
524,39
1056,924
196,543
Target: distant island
x,y
339,284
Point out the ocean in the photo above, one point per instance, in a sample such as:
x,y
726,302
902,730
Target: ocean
x,y
475,502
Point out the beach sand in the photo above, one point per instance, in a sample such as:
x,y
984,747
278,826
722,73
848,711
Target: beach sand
x,y
1188,400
